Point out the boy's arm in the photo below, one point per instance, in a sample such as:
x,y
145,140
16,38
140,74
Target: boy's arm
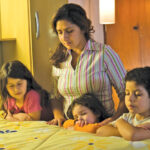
x,y
107,130
131,133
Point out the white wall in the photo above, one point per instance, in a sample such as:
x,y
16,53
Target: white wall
x,y
92,10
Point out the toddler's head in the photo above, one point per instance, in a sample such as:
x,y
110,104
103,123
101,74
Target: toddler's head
x,y
137,93
87,108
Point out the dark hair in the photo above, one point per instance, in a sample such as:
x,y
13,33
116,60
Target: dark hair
x,y
76,15
16,69
141,76
90,101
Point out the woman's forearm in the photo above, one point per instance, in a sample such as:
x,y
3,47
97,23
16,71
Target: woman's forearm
x,y
121,109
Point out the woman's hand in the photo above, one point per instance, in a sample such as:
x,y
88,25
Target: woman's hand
x,y
57,121
58,118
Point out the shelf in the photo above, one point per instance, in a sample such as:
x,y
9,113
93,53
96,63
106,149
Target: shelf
x,y
7,39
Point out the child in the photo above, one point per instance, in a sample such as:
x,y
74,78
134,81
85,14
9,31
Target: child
x,y
23,98
135,125
86,111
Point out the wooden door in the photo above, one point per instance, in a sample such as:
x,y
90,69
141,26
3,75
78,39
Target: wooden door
x,y
130,35
47,40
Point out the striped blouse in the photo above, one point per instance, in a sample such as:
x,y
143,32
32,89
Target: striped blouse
x,y
97,70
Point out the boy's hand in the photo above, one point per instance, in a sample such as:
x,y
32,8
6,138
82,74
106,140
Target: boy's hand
x,y
144,126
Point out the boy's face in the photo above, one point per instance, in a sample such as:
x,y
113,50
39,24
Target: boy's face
x,y
137,99
84,113
16,88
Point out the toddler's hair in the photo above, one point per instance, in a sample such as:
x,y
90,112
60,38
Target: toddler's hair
x,y
90,101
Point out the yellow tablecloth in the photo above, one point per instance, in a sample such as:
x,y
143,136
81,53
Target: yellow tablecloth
x,y
37,135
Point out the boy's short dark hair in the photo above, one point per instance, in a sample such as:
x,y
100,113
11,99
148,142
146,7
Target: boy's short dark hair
x,y
141,76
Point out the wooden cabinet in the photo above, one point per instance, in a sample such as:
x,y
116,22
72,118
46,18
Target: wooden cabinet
x,y
130,35
18,20
41,13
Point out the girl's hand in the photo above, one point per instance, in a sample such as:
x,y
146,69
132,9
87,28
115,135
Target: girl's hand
x,y
22,117
9,116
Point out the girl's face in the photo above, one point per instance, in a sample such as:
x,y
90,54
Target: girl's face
x,y
84,113
70,35
137,99
16,88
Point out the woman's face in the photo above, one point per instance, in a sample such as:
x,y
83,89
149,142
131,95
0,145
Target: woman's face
x,y
16,88
137,99
84,113
70,35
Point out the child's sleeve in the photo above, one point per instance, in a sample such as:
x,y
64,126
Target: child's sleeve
x,y
32,102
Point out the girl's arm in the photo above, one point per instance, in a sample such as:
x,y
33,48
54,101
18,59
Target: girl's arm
x,y
131,133
28,117
23,116
107,130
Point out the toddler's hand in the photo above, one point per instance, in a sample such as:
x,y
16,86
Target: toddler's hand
x,y
81,122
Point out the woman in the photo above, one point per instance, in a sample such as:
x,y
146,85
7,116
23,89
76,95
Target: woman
x,y
81,65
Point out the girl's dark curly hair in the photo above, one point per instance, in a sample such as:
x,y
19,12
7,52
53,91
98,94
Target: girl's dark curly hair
x,y
90,101
16,69
141,76
76,15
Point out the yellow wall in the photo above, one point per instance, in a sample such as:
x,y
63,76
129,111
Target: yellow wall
x,y
14,24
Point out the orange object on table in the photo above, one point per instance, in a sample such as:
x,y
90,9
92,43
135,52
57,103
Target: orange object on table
x,y
91,128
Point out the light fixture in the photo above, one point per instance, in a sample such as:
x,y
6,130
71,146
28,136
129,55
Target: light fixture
x,y
107,11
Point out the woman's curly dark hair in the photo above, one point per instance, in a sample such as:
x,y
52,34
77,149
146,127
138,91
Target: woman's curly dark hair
x,y
76,15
